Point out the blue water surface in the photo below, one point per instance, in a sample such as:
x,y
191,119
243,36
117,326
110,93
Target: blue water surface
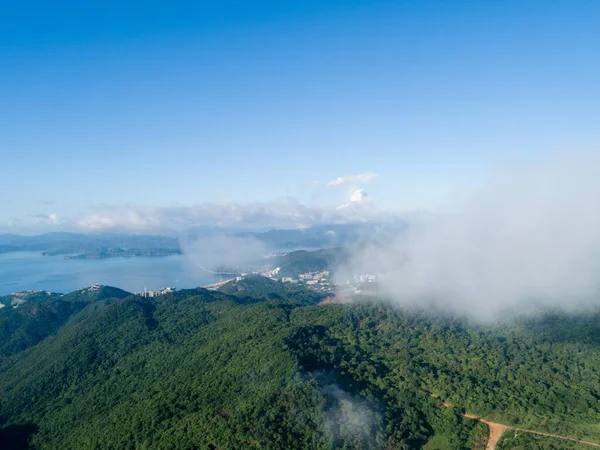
x,y
29,270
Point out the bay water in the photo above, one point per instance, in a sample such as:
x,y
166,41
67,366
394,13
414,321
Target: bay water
x,y
30,270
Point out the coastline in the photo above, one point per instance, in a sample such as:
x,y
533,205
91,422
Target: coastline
x,y
217,285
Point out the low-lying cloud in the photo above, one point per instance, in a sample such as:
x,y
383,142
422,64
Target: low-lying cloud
x,y
283,213
217,252
51,218
357,197
350,419
360,178
288,213
530,238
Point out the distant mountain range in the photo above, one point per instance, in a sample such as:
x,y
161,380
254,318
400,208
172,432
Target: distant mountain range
x,y
338,235
109,245
90,245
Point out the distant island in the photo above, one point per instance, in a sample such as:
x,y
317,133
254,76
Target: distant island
x,y
110,245
91,246
120,253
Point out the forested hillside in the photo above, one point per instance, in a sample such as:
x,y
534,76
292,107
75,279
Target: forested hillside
x,y
259,369
258,287
302,261
40,314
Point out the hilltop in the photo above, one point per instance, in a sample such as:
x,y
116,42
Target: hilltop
x,y
301,261
30,317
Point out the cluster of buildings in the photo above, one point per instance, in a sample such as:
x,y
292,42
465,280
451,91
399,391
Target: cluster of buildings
x,y
362,279
361,284
365,278
319,281
18,298
314,277
156,293
271,273
322,280
94,288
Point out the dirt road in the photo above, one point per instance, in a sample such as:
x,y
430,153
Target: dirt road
x,y
496,430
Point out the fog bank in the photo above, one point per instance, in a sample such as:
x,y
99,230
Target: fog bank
x,y
216,252
529,238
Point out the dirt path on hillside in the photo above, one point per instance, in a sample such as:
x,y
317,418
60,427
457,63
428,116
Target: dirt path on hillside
x,y
580,441
497,429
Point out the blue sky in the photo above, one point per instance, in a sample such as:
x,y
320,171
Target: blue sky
x,y
117,113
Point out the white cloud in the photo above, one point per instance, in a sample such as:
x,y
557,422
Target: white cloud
x,y
357,197
352,179
35,223
120,218
41,218
287,213
215,251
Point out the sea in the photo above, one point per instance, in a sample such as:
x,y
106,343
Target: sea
x,y
23,271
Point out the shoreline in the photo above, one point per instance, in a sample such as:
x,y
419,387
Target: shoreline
x,y
217,285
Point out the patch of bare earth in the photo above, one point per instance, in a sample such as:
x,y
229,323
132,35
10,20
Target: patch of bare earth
x,y
496,431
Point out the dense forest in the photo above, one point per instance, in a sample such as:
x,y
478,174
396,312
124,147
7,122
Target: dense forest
x,y
43,313
263,366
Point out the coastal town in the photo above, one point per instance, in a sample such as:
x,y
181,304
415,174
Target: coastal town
x,y
156,293
321,281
